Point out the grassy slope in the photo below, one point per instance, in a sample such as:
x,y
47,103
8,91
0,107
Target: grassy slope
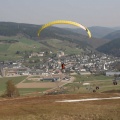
x,y
8,50
63,45
22,45
4,48
45,108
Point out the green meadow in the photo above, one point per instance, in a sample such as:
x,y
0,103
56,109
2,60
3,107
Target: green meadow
x,y
3,81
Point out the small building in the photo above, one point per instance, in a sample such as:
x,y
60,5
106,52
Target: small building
x,y
112,73
60,54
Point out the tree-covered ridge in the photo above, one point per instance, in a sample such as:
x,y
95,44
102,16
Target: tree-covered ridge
x,y
113,35
11,29
30,31
113,47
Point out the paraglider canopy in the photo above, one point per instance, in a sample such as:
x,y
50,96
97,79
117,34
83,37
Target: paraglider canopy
x,y
64,22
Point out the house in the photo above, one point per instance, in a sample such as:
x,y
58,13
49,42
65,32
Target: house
x,y
60,54
37,54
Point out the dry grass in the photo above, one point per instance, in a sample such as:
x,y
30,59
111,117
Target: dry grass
x,y
45,108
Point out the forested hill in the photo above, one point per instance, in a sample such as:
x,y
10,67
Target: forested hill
x,y
30,30
113,47
12,29
113,35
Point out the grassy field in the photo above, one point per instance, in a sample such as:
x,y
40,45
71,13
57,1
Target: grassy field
x,y
22,91
16,80
104,83
92,77
31,91
46,108
3,81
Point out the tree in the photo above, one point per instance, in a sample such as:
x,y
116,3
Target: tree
x,y
11,90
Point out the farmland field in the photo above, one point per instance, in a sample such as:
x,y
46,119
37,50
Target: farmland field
x,y
25,85
103,82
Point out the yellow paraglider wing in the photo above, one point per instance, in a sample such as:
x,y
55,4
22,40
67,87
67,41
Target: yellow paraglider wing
x,y
89,33
63,22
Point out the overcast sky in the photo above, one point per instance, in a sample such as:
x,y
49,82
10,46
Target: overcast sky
x,y
87,12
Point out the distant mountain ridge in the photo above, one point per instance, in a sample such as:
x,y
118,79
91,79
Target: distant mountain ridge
x,y
100,32
97,31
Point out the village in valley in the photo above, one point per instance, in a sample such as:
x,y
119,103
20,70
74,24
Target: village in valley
x,y
85,64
